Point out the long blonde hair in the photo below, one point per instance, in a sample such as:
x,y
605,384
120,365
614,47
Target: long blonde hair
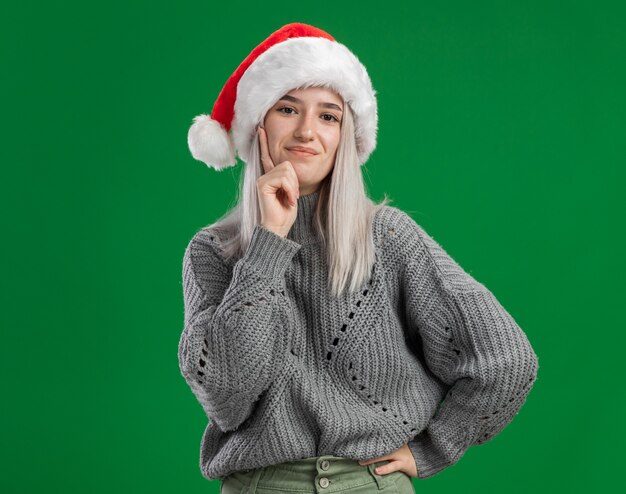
x,y
343,215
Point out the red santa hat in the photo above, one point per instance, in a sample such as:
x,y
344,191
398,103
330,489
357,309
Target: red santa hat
x,y
297,55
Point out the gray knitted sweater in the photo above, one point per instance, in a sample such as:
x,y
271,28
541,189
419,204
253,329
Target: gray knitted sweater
x,y
422,354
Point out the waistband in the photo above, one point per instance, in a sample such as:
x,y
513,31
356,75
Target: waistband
x,y
317,474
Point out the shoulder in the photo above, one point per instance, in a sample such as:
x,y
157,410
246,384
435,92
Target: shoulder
x,y
406,244
396,230
203,258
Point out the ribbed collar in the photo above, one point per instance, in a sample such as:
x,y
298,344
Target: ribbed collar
x,y
302,230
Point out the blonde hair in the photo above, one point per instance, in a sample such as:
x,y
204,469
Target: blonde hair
x,y
343,216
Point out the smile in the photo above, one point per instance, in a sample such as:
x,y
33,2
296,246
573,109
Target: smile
x,y
301,153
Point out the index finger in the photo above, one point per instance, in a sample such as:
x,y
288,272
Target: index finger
x,y
266,159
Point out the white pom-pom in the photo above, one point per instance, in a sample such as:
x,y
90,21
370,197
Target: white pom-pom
x,y
210,143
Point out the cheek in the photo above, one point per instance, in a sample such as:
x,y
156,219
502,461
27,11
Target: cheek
x,y
331,141
272,140
275,135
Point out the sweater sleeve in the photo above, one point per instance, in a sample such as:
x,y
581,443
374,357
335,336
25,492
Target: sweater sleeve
x,y
470,342
236,333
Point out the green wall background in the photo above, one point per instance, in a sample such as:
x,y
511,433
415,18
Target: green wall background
x,y
501,132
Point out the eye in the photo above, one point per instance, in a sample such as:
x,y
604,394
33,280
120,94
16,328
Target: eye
x,y
291,111
285,108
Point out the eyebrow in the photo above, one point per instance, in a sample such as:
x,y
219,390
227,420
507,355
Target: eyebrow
x,y
288,97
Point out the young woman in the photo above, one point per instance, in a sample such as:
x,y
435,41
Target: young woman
x,y
332,343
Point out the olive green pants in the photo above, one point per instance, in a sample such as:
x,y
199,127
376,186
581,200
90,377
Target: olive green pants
x,y
318,474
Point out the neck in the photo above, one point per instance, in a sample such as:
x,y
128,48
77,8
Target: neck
x,y
302,230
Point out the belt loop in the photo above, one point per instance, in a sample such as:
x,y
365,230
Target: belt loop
x,y
380,479
255,480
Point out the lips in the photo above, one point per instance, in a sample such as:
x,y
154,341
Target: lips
x,y
302,150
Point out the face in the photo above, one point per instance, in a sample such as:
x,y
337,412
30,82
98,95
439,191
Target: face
x,y
307,118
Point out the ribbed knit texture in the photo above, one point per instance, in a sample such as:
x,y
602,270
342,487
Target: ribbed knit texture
x,y
423,353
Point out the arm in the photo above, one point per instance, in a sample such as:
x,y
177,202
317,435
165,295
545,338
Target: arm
x,y
235,337
471,343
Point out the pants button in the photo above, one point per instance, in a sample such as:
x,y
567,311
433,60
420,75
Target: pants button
x,y
325,464
324,482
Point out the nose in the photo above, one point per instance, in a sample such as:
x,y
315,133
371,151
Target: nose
x,y
304,130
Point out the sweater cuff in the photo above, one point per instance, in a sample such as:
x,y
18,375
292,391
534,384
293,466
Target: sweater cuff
x,y
428,458
270,254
